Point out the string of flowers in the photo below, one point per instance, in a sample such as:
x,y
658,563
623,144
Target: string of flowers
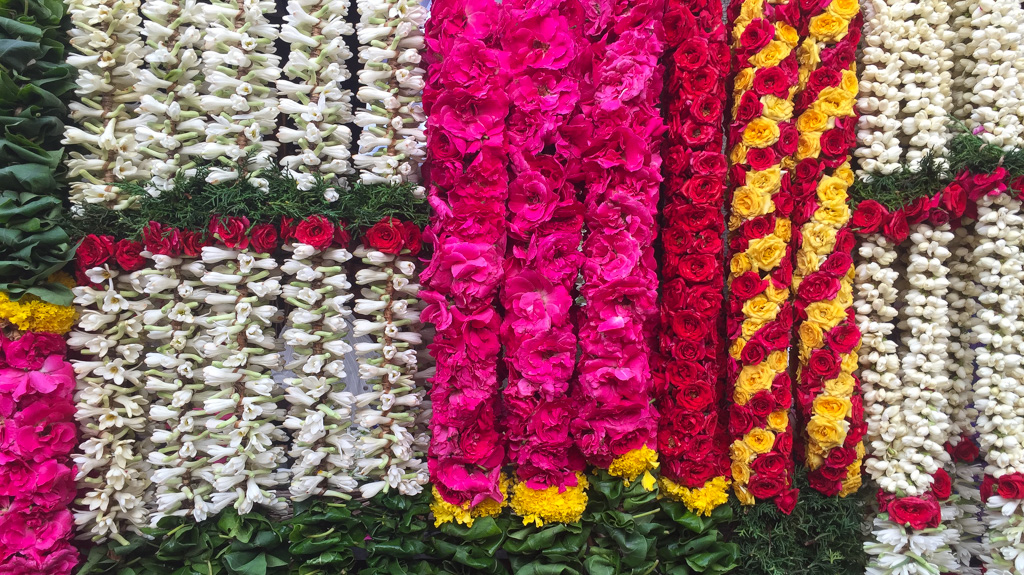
x,y
239,71
36,438
616,428
466,106
542,263
828,395
111,397
170,87
311,94
388,311
692,434
316,286
390,144
109,50
760,319
240,407
174,378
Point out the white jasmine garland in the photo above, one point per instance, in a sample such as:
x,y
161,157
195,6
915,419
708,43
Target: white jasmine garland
x,y
240,71
111,407
899,550
392,452
322,445
170,85
310,92
108,50
391,143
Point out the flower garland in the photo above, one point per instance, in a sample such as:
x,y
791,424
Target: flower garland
x,y
36,437
466,107
311,94
827,390
542,263
110,52
616,427
692,435
388,311
390,145
239,71
316,285
111,397
759,319
170,88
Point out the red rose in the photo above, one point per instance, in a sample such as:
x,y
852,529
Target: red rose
x,y
764,485
869,216
692,53
94,251
954,199
824,364
832,473
706,190
845,241
771,81
761,403
695,396
837,264
917,512
988,484
966,451
753,353
938,217
342,237
897,228
987,184
706,108
747,285
761,158
231,231
386,236
844,337
824,77
741,420
942,485
759,227
833,143
757,35
316,231
1011,486
126,252
841,457
781,391
192,242
769,464
287,229
807,170
264,238
823,484
709,163
784,442
688,325
818,287
161,239
789,137
786,501
750,107
917,210
698,268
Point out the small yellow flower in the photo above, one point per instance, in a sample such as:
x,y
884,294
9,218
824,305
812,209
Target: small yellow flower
x,y
849,363
758,307
755,378
775,52
743,494
749,203
806,262
807,55
787,34
826,314
760,440
777,361
820,238
778,109
783,229
701,500
849,83
739,264
632,464
829,407
750,327
738,155
736,348
841,386
844,9
834,101
760,133
752,9
827,433
811,335
740,472
767,181
774,294
812,121
541,506
744,79
767,252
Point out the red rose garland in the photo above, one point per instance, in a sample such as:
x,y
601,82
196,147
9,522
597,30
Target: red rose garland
x,y
542,262
465,99
692,436
759,321
617,425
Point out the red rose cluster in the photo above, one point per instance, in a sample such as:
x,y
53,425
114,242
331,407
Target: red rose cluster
x,y
391,236
693,441
1009,486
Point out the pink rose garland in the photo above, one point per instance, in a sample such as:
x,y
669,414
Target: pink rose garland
x,y
37,433
617,424
465,97
542,262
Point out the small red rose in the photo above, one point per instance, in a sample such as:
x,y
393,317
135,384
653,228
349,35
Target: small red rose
x,y
127,253
94,251
387,236
264,238
316,231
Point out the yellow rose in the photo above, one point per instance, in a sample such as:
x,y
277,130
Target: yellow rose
x,y
760,440
752,9
845,9
819,238
849,83
758,307
740,396
826,433
771,54
776,108
744,79
803,356
815,455
860,452
783,229
788,163
738,155
778,421
806,262
808,145
777,361
851,485
826,314
750,327
835,214
812,121
768,181
828,27
845,174
829,407
766,252
742,494
737,348
760,133
849,363
739,264
739,451
841,386
834,101
755,378
740,472
787,34
749,203
845,296
808,55
811,335
832,189
777,295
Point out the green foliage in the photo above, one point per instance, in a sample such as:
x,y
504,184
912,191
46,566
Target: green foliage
x,y
624,527
32,246
192,201
690,544
821,537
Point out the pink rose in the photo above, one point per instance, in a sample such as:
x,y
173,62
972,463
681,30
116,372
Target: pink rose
x,y
55,376
40,431
59,561
31,349
30,530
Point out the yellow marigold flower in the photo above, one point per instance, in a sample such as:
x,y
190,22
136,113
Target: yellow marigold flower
x,y
740,472
841,386
767,252
63,279
768,181
828,27
755,378
778,421
827,433
749,203
760,133
783,229
743,494
540,506
630,465
758,307
776,108
700,500
811,335
812,121
465,514
739,264
808,145
775,52
760,440
32,314
787,34
777,361
830,407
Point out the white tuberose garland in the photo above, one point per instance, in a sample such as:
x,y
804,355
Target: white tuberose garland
x,y
392,450
321,411
106,37
391,143
311,95
111,403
